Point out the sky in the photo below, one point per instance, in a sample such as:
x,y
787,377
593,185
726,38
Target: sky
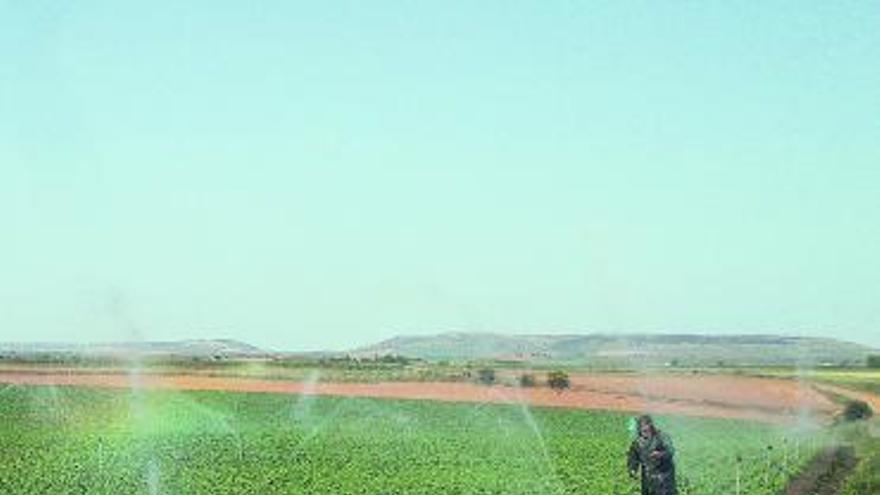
x,y
324,175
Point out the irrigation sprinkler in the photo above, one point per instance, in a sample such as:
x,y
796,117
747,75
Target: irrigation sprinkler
x,y
785,455
738,473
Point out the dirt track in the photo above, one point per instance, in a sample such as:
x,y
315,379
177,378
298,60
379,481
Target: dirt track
x,y
825,474
871,399
762,399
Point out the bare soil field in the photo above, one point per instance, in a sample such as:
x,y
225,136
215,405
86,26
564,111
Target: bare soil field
x,y
777,396
721,396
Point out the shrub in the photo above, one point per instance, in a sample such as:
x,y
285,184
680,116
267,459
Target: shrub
x,y
527,380
558,380
856,410
486,376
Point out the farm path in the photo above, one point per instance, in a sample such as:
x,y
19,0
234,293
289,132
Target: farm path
x,y
825,474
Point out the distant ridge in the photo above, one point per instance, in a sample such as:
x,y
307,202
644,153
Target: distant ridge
x,y
202,348
626,349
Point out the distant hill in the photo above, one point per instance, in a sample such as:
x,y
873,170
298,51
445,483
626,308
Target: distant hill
x,y
626,350
206,348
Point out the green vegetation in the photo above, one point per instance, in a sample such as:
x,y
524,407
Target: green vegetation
x,y
873,361
864,379
327,370
527,380
856,410
866,477
78,441
616,351
486,376
864,436
558,380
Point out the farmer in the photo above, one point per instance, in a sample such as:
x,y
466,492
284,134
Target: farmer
x,y
651,453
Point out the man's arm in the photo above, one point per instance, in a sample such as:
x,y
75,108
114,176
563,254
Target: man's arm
x,y
633,462
665,449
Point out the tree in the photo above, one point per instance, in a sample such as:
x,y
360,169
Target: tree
x,y
486,376
874,361
558,380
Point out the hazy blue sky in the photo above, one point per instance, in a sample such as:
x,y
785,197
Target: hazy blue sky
x,y
326,174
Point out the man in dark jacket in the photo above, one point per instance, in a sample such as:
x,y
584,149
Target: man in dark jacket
x,y
651,453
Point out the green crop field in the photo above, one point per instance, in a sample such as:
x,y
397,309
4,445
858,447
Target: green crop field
x,y
57,440
864,379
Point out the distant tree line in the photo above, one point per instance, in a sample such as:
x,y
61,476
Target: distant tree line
x,y
557,380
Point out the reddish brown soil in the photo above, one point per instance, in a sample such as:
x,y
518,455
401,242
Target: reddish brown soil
x,y
732,391
762,399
